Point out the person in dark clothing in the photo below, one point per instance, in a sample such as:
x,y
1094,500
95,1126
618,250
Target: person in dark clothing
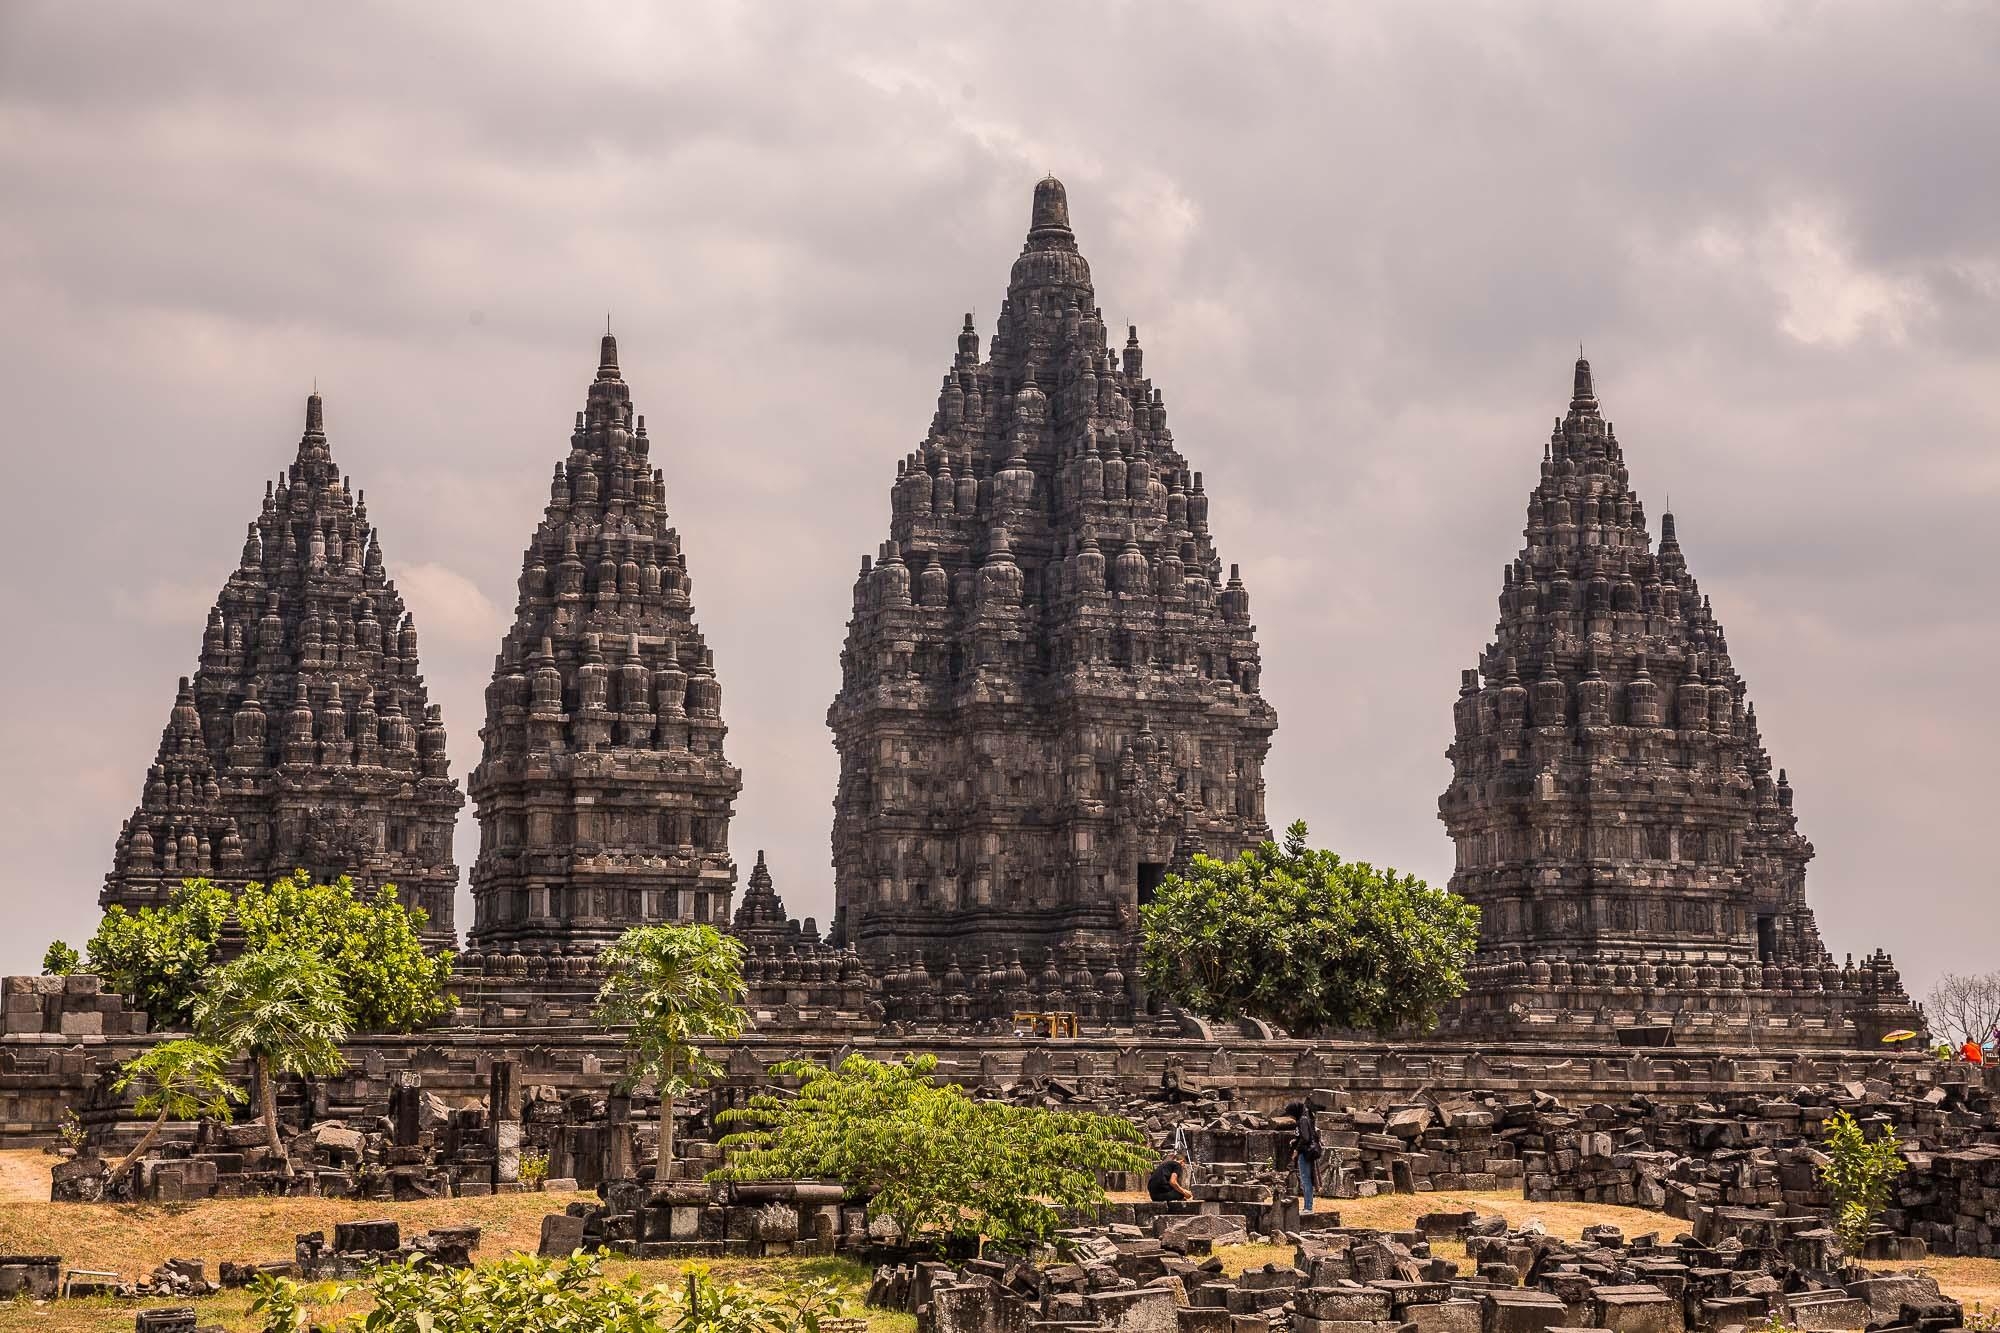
x,y
1168,1183
1306,1150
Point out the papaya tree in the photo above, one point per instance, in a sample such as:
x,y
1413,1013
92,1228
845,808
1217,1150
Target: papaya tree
x,y
183,1079
674,987
286,1010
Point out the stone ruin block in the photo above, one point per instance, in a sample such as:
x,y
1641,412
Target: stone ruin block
x,y
1635,1308
1454,1316
375,1236
1521,1311
1146,1310
1825,1311
165,1319
562,1235
35,1276
1344,1304
1203,1319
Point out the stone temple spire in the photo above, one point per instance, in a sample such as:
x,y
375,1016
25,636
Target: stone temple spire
x,y
1612,801
762,911
603,795
306,738
1046,687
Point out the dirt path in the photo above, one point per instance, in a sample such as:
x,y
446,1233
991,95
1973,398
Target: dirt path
x,y
24,1175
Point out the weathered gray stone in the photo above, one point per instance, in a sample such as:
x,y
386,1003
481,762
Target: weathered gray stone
x,y
1049,691
308,728
1616,879
603,795
562,1235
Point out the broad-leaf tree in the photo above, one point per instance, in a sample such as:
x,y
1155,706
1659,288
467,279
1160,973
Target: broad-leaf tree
x,y
675,987
286,1009
158,955
182,1079
925,1153
1306,940
59,959
373,942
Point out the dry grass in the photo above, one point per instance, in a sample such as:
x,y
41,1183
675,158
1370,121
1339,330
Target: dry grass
x,y
134,1238
24,1175
1974,1281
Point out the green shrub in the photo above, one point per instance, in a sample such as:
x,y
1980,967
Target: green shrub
x,y
1306,940
523,1292
60,960
1858,1173
159,956
924,1153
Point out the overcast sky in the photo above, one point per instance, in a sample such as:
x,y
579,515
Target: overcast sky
x,y
1361,244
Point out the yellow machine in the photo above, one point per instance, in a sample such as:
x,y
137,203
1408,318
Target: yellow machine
x,y
1057,1024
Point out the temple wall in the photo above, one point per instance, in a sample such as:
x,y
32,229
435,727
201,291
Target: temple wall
x,y
45,1070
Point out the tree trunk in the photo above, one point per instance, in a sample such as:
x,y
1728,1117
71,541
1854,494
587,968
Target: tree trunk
x,y
665,1163
138,1149
267,1090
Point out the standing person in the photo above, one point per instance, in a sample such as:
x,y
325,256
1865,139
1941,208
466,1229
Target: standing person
x,y
1168,1183
1306,1150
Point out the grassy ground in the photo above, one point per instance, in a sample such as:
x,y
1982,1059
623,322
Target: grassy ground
x,y
134,1238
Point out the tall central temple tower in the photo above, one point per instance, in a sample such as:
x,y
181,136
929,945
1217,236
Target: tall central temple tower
x,y
603,795
1635,859
1049,691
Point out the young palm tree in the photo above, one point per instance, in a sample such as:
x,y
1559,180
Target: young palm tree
x,y
674,986
187,1079
287,1009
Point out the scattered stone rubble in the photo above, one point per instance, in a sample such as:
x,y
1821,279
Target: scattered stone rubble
x,y
426,1146
1747,1150
1745,1270
691,1219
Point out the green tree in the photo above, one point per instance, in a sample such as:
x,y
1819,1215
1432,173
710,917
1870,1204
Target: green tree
x,y
925,1153
675,987
287,1010
1857,1173
59,960
374,944
1305,940
158,955
184,1079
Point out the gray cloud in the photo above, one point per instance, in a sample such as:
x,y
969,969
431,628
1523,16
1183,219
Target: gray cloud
x,y
1360,246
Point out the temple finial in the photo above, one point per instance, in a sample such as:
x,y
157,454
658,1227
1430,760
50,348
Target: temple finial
x,y
607,354
1051,208
1583,395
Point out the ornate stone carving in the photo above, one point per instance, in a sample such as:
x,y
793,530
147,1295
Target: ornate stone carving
x,y
603,795
1048,686
1617,818
306,738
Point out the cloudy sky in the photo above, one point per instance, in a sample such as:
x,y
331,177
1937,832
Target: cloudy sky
x,y
1361,245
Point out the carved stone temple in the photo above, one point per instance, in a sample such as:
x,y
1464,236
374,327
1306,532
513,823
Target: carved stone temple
x,y
603,795
306,738
1049,689
1636,861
